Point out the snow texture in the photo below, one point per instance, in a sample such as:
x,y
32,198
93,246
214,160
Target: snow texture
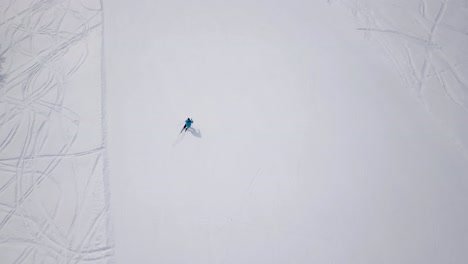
x,y
53,191
331,131
328,131
427,42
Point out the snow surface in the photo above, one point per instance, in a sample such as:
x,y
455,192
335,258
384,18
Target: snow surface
x,y
325,131
53,191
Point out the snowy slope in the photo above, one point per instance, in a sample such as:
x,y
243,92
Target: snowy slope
x,y
53,192
315,144
325,131
427,43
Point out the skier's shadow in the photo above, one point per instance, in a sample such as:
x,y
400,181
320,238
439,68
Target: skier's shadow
x,y
195,132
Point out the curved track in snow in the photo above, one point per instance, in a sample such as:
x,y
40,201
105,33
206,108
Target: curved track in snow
x,y
426,42
53,192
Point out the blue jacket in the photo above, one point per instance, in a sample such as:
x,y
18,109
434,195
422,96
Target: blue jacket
x,y
188,123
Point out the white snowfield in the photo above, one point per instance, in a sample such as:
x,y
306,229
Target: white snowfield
x,y
324,131
54,204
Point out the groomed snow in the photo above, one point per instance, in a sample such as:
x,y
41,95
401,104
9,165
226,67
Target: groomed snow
x,y
325,131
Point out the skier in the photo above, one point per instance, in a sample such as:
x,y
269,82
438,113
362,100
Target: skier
x,y
188,124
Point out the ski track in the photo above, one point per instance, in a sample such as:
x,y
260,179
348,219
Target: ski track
x,y
427,35
53,191
53,196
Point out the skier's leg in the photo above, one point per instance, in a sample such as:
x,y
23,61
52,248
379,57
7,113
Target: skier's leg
x,y
183,128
